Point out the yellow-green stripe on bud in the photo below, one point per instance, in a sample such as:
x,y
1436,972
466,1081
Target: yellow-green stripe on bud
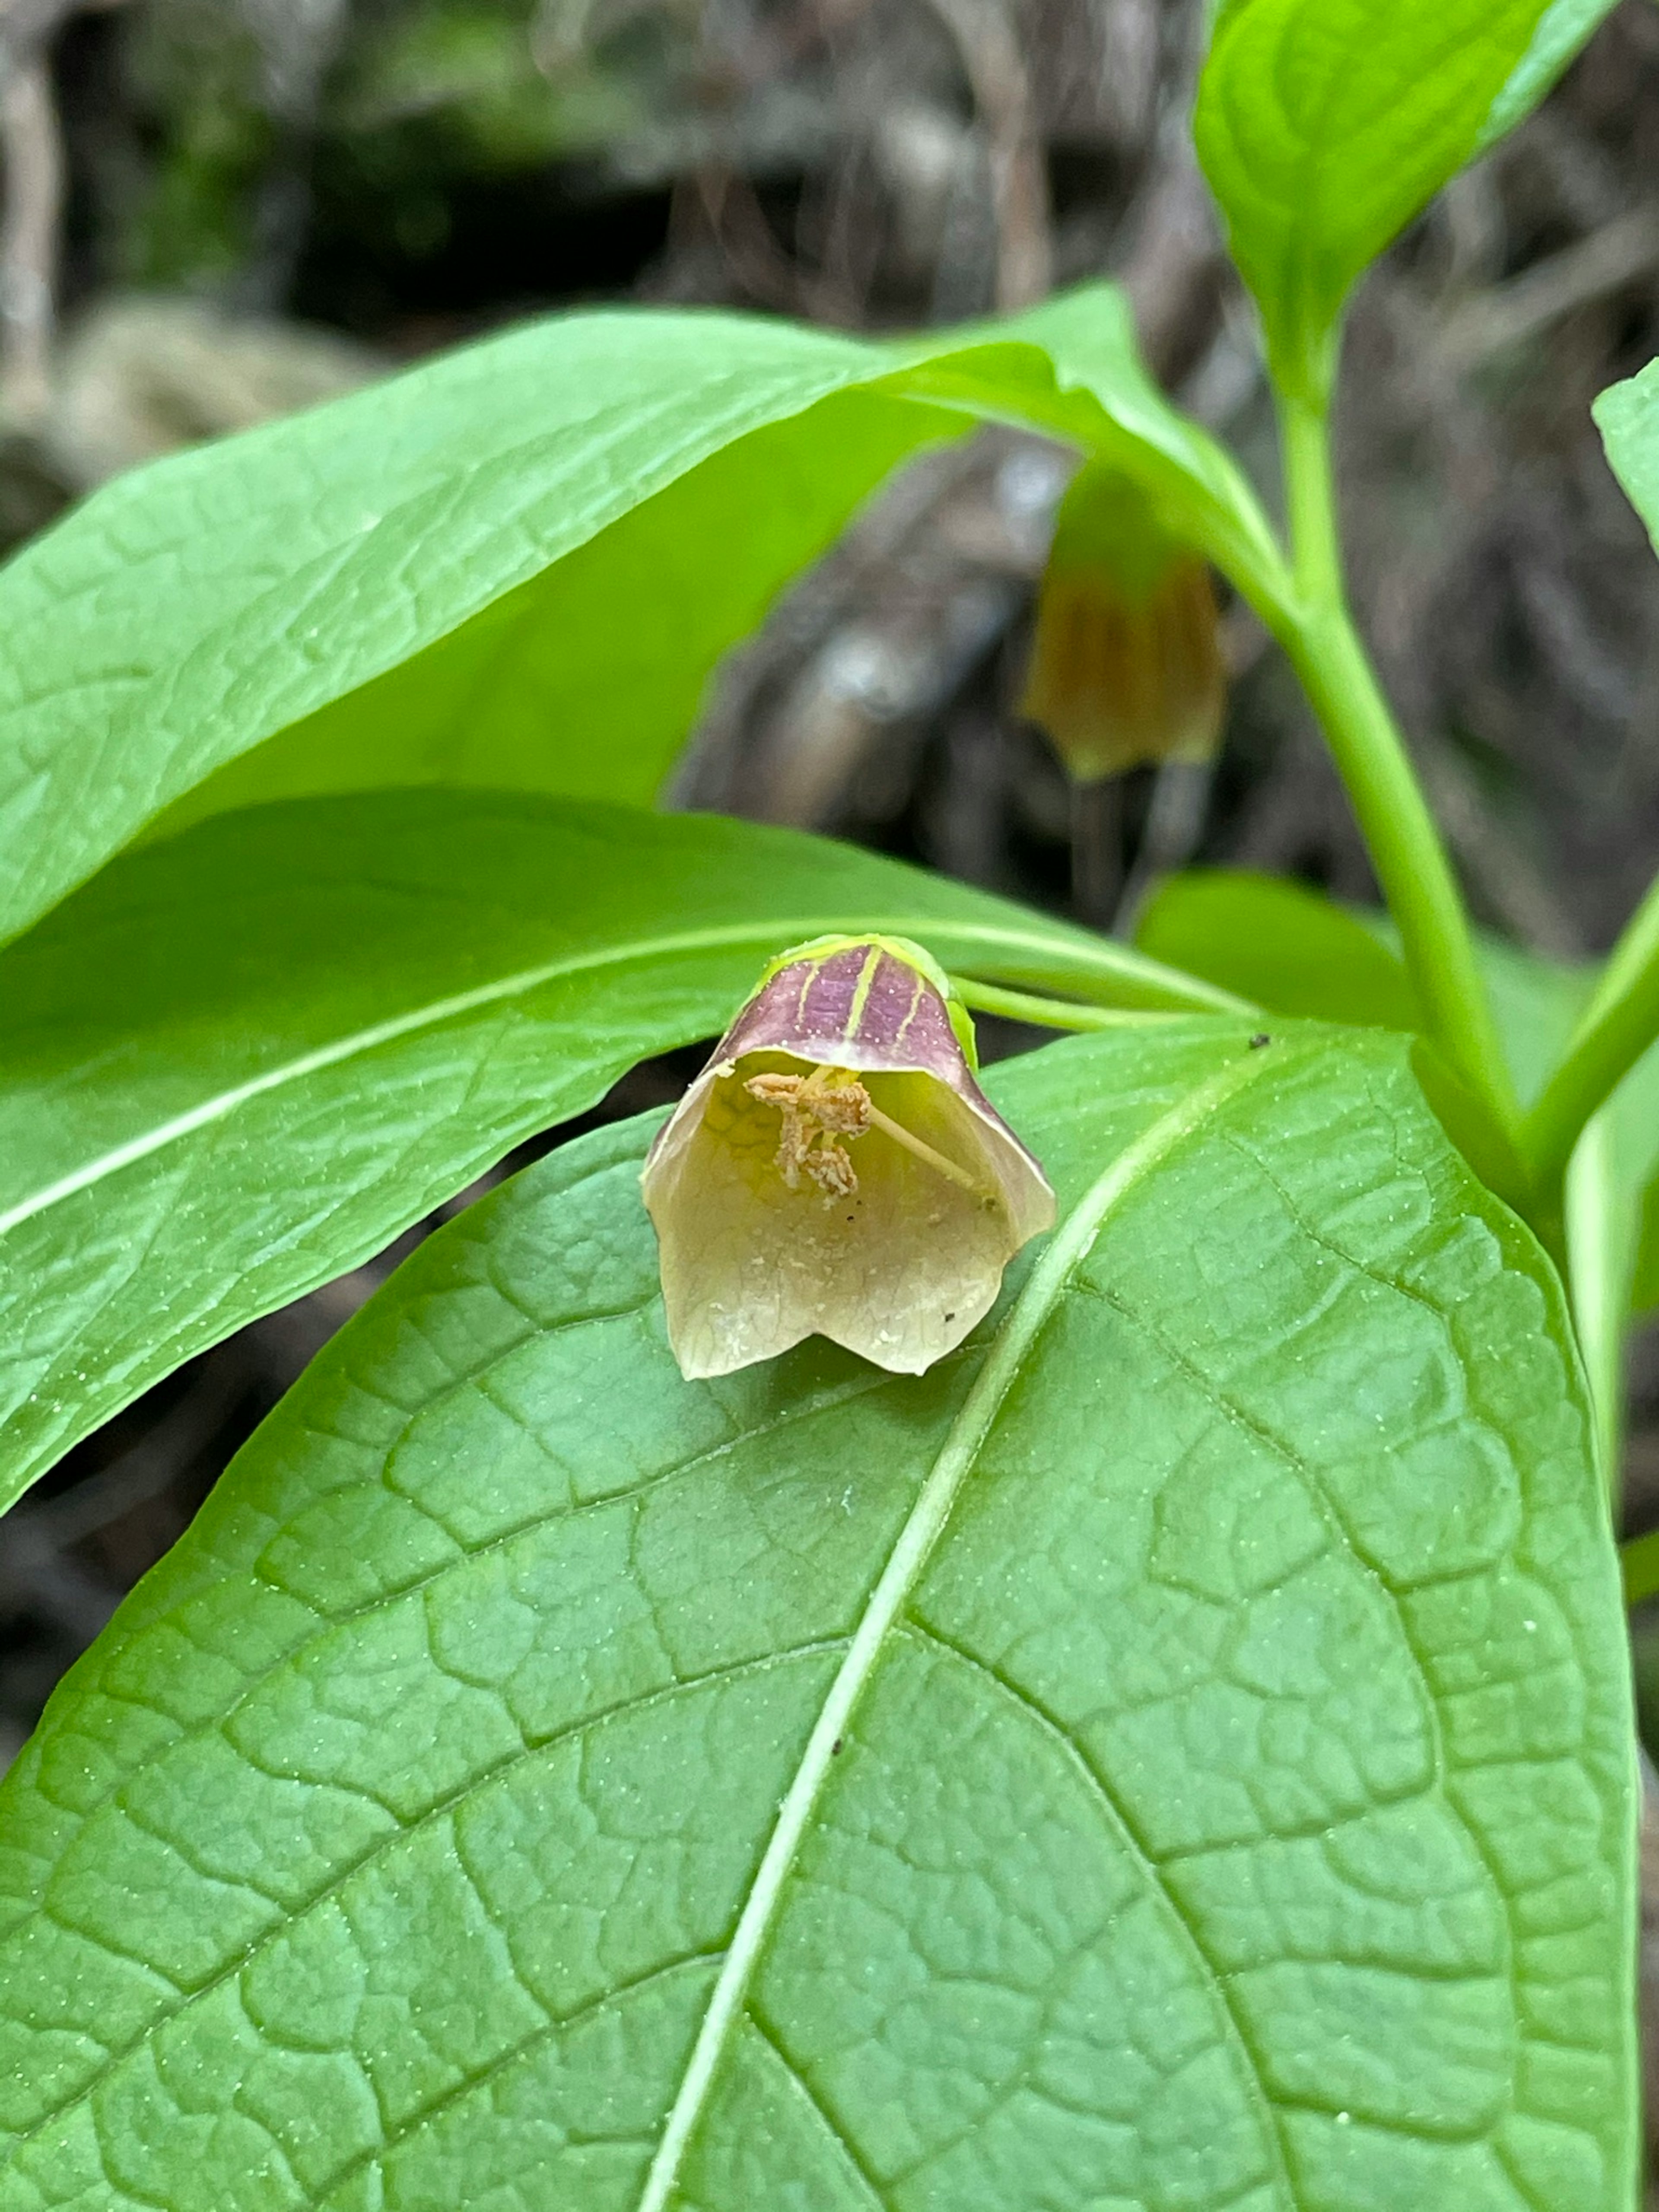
x,y
836,1170
1125,661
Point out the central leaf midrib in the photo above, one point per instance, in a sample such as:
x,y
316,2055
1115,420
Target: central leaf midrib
x,y
923,1526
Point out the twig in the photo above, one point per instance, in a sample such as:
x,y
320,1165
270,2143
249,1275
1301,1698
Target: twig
x,y
1609,258
31,144
26,27
1001,85
1172,270
1097,850
1175,827
299,41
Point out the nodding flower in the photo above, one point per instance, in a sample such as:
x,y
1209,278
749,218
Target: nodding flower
x,y
1126,662
836,1170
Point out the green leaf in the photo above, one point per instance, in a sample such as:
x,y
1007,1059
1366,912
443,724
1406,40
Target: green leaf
x,y
1285,946
1291,950
1563,28
586,680
376,572
1077,373
240,1063
1645,1283
1325,125
1175,1753
1294,951
1278,943
1627,416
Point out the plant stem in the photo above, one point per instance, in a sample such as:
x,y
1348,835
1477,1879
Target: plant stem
x,y
1639,1564
1619,1026
1062,1014
1412,866
1598,1273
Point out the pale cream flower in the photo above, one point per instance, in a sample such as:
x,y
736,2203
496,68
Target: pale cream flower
x,y
836,1170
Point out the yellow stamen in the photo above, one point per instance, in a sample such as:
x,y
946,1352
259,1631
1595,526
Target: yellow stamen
x,y
832,1103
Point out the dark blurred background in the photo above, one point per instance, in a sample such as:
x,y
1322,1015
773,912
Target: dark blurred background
x,y
215,210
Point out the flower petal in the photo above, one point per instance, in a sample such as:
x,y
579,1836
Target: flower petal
x,y
897,1260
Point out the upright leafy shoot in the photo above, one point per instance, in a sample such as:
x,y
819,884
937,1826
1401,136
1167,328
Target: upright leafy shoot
x,y
1325,125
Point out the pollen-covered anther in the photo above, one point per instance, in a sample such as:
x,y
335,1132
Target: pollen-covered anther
x,y
816,1108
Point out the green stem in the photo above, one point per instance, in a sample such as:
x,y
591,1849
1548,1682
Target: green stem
x,y
1598,1251
1638,1563
1062,1013
1096,969
1412,866
1619,1026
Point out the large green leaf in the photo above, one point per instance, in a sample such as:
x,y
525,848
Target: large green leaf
x,y
197,609
241,1062
1289,949
584,679
1174,1754
1325,125
1278,943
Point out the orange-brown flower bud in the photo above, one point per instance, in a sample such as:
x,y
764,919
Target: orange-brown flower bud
x,y
1125,658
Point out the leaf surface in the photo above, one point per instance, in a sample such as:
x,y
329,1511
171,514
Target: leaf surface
x,y
1198,1709
1627,416
1562,29
242,1062
1325,125
1288,948
1280,945
375,572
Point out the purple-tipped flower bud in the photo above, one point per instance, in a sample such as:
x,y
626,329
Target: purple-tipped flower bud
x,y
836,1170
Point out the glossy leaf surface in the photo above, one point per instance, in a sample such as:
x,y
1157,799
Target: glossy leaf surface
x,y
1233,1808
242,1062
1325,125
1279,945
192,611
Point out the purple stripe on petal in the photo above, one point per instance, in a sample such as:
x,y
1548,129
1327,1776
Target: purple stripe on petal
x,y
830,997
903,1024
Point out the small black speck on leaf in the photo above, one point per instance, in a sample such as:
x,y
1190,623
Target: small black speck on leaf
x,y
834,1748
1259,1040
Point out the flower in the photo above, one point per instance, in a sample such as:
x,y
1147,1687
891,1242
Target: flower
x,y
837,1170
1125,659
